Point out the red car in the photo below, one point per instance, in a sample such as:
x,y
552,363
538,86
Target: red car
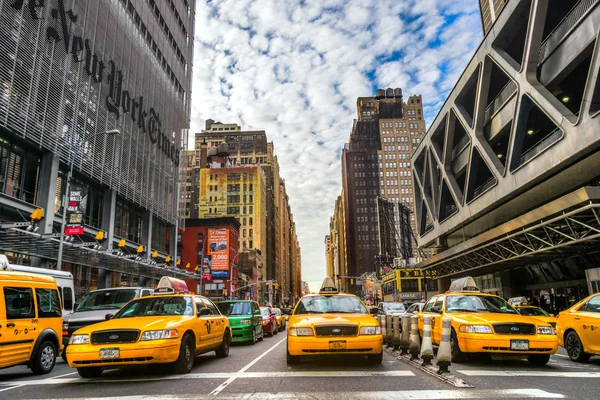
x,y
269,319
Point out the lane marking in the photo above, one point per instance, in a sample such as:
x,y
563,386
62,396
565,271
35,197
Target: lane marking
x,y
383,395
233,378
547,374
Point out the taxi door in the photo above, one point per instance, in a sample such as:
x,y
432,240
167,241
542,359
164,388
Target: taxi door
x,y
217,322
588,319
19,325
436,320
204,339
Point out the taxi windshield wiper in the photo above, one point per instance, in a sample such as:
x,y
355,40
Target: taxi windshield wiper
x,y
462,310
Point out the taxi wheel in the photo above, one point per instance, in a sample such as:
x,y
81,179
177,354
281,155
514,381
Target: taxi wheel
x,y
457,354
45,359
539,359
574,348
185,361
223,351
89,372
290,359
375,358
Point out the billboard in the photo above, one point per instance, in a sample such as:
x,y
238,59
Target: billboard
x,y
76,209
213,194
218,249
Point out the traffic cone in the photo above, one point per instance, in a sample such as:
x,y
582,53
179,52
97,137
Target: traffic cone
x,y
426,345
444,354
414,347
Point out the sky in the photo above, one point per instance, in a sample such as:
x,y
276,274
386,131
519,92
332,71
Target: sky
x,y
295,68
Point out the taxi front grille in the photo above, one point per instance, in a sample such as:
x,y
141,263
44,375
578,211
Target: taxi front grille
x,y
120,336
336,330
113,360
337,350
514,329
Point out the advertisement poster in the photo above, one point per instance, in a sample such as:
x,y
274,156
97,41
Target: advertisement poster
x,y
206,268
76,210
218,249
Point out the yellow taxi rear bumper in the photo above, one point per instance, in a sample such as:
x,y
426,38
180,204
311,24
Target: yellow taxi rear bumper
x,y
491,343
315,345
139,353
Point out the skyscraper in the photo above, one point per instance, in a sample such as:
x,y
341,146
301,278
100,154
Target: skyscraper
x,y
490,9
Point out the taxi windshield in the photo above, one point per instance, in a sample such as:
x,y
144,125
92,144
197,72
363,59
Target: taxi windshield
x,y
228,309
157,306
105,299
330,305
533,312
478,303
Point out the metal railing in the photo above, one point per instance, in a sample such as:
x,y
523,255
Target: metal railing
x,y
540,146
502,97
488,184
460,146
562,29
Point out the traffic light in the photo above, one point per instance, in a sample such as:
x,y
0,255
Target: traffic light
x,y
37,214
352,281
168,259
276,286
155,254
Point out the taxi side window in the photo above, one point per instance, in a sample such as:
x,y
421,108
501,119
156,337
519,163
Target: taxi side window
x,y
48,304
209,304
439,303
429,304
67,298
593,305
19,303
199,304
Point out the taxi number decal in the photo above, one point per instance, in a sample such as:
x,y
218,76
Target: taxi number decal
x,y
207,324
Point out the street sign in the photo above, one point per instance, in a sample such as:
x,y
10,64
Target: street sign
x,y
217,280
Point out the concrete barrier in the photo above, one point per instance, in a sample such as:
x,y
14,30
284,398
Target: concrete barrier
x,y
396,332
426,345
414,347
390,330
405,334
383,323
444,354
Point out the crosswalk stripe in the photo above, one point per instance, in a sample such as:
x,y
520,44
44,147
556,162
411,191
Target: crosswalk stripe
x,y
548,374
383,395
220,375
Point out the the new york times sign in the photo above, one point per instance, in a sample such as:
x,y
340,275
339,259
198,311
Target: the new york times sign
x,y
119,101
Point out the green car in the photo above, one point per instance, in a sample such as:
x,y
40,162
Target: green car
x,y
244,318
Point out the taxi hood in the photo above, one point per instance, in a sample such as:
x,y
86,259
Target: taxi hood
x,y
149,323
309,320
492,318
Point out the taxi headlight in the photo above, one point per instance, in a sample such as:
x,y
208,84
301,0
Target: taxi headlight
x,y
79,339
245,322
475,329
546,330
163,334
301,332
370,330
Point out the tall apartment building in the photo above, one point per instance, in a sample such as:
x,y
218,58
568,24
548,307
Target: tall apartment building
x,y
336,245
111,96
490,9
248,149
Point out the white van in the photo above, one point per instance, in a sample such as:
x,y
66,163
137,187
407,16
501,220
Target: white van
x,y
64,281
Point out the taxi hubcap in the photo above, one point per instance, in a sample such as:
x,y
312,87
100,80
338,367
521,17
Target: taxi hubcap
x,y
47,357
188,353
573,346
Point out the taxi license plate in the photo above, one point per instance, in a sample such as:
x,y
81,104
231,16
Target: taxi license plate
x,y
337,345
519,344
110,353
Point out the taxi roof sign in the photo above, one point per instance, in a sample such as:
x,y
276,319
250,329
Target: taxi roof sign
x,y
328,287
466,284
169,284
518,301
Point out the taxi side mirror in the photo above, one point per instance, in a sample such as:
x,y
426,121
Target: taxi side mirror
x,y
108,316
552,315
286,311
374,310
203,312
436,310
256,312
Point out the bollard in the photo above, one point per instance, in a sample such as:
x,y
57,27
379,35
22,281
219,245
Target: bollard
x,y
396,335
383,323
404,337
444,355
390,330
414,346
426,345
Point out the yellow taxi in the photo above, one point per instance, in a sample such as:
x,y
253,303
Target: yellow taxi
x,y
281,321
167,327
333,323
30,320
537,313
578,329
485,323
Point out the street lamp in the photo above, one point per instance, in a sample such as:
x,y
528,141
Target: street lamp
x,y
112,132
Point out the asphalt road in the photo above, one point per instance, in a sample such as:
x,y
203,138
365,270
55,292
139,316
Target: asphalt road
x,y
260,372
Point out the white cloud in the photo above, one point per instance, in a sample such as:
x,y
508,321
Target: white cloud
x,y
295,67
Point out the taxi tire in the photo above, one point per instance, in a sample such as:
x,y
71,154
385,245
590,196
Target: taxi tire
x,y
45,358
89,372
375,359
187,355
538,359
456,353
223,350
290,359
573,339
